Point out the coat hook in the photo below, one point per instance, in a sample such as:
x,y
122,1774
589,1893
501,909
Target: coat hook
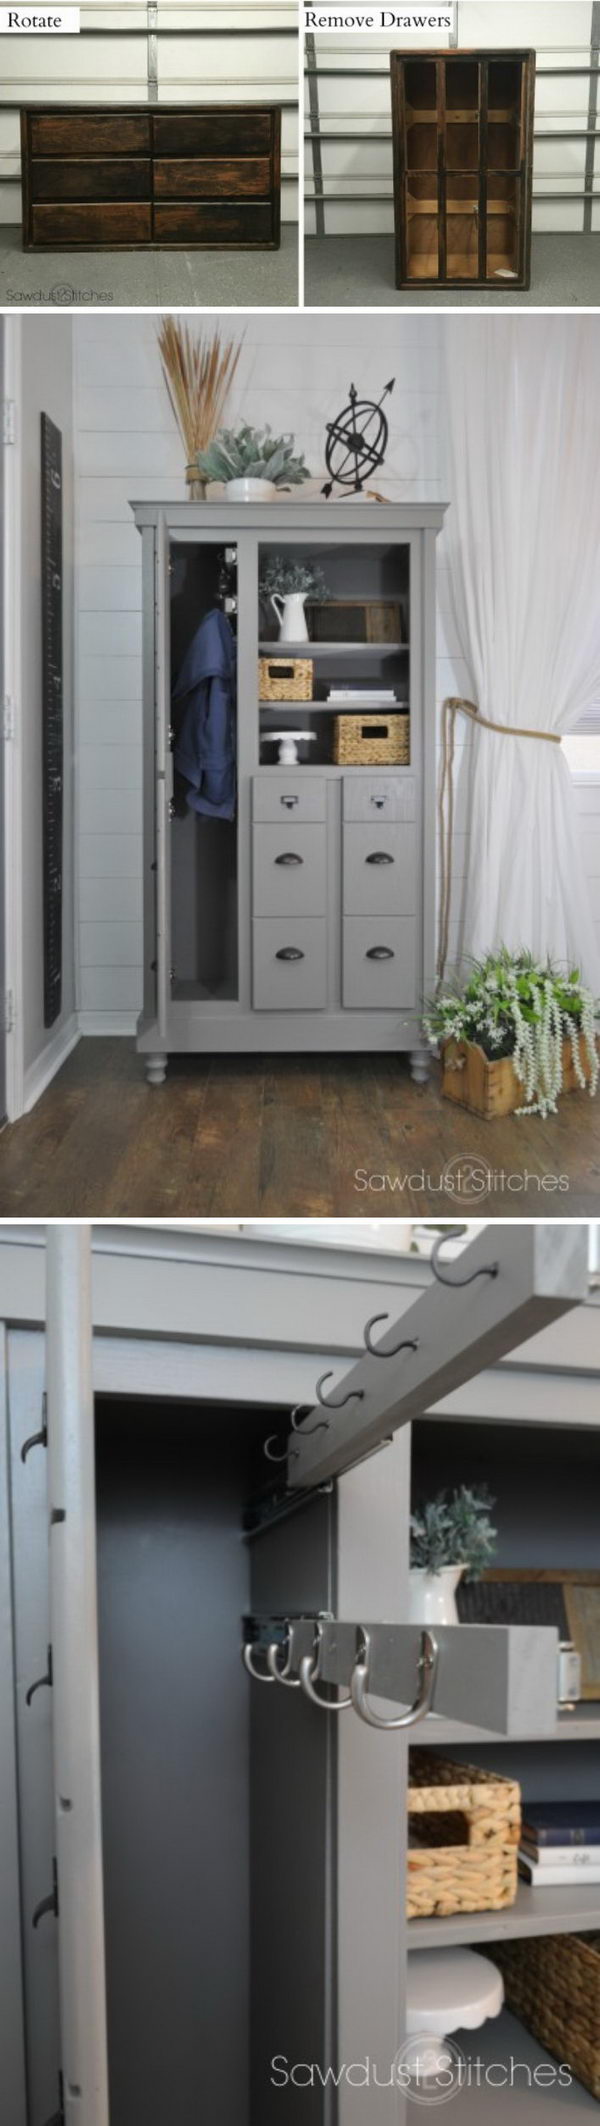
x,y
307,1430
268,1447
309,1669
282,1675
427,1669
48,1904
48,1678
409,1343
258,1674
488,1269
355,1394
37,1439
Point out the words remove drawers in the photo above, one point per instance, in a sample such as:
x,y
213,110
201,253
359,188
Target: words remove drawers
x,y
206,177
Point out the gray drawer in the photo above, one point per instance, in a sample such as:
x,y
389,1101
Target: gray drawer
x,y
379,870
386,983
381,796
290,796
290,984
289,866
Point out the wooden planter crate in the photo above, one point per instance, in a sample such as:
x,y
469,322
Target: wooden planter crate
x,y
553,1985
491,1089
464,1831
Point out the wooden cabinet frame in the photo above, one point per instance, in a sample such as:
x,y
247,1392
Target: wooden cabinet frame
x,y
455,168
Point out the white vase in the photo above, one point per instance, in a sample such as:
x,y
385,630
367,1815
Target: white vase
x,y
291,616
250,490
432,1595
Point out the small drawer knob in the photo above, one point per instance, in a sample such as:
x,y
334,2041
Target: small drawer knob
x,y
379,952
289,952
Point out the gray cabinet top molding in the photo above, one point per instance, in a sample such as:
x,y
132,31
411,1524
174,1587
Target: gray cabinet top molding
x,y
293,513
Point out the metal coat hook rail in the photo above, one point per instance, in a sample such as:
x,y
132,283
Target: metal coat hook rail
x,y
321,1657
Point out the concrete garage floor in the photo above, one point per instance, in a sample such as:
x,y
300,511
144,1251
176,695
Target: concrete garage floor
x,y
131,279
359,271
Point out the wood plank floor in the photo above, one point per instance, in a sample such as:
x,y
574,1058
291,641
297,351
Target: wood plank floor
x,y
285,1136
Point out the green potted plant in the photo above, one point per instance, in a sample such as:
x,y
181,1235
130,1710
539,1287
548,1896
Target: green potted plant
x,y
514,1035
286,585
253,464
450,1535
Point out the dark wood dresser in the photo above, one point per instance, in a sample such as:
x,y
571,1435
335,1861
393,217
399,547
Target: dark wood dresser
x,y
175,176
463,153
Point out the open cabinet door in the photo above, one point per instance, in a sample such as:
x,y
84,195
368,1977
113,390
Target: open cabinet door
x,y
164,775
74,1634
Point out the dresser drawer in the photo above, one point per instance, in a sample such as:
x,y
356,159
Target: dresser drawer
x,y
288,797
379,869
118,178
379,962
212,132
379,797
289,870
102,133
89,225
213,224
206,177
290,963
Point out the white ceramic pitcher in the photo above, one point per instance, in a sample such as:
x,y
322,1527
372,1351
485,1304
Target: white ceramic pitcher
x,y
291,616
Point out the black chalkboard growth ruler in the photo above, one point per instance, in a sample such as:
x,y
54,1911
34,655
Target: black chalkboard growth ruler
x,y
52,715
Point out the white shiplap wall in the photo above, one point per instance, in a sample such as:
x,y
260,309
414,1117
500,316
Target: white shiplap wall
x,y
294,372
558,30
227,63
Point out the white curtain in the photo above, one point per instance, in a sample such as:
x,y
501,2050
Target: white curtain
x,y
523,545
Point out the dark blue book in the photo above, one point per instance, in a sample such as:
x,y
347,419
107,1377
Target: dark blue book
x,y
561,1822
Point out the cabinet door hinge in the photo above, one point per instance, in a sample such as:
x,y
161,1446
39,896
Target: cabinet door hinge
x,y
8,717
9,421
7,1011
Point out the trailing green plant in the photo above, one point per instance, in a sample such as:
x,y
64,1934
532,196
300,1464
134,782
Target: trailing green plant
x,y
513,1005
282,578
247,453
454,1528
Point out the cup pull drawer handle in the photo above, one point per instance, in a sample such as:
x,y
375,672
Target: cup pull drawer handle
x,y
289,801
289,857
379,952
379,856
289,952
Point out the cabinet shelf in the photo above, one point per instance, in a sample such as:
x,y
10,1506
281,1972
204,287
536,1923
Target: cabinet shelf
x,y
337,708
583,1725
561,1910
330,649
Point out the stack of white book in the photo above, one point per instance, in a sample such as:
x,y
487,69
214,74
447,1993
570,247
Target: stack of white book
x,y
363,697
560,1841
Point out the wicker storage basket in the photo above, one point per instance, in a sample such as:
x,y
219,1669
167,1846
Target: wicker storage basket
x,y
285,678
376,741
553,1984
464,1830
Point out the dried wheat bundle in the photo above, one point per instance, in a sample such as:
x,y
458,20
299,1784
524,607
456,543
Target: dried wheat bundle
x,y
198,372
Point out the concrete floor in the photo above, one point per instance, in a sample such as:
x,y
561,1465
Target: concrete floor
x,y
131,279
359,271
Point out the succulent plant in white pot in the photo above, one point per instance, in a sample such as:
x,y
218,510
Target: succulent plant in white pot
x,y
253,464
450,1535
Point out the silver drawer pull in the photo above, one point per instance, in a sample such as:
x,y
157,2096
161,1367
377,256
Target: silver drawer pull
x,y
289,801
379,952
379,856
289,857
289,952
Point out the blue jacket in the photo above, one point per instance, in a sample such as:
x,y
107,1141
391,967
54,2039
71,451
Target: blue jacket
x,y
205,749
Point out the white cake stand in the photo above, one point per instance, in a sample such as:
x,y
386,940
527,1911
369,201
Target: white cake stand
x,y
447,1989
288,742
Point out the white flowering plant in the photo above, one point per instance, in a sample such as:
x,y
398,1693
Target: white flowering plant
x,y
513,1005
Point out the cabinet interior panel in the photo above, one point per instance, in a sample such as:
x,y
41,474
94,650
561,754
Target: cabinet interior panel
x,y
457,119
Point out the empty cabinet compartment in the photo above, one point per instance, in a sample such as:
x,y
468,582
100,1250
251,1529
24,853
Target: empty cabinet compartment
x,y
289,870
379,962
290,963
379,870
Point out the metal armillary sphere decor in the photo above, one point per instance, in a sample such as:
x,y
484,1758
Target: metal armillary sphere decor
x,y
356,441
